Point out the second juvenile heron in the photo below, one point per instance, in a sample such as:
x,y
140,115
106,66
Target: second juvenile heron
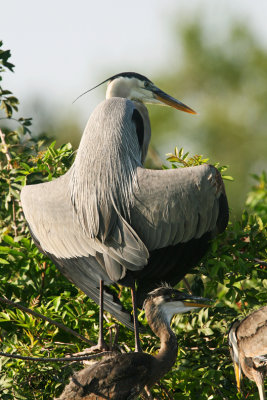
x,y
108,219
248,348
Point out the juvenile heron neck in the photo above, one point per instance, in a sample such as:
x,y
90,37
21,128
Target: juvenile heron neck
x,y
166,357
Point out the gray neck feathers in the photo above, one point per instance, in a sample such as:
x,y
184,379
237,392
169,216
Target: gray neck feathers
x,y
159,323
104,170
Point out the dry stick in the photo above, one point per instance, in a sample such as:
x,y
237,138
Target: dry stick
x,y
14,217
162,387
49,359
187,285
9,166
5,149
37,315
261,262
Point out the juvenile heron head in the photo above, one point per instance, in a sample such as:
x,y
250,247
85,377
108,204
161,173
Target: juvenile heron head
x,y
166,302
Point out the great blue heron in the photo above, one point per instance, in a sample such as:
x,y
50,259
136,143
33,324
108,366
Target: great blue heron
x,y
248,348
124,376
108,219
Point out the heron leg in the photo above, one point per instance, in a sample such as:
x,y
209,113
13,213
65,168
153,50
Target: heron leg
x,y
260,384
101,342
136,329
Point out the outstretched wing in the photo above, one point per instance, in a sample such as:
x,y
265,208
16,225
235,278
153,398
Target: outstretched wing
x,y
176,213
58,233
177,205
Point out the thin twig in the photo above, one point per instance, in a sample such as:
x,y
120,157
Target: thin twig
x,y
14,218
50,359
5,150
43,317
43,269
163,388
261,262
187,285
9,166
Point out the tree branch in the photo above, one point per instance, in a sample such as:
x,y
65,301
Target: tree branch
x,y
37,315
61,359
5,150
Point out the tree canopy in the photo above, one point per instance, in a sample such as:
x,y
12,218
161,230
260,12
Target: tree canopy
x,y
225,81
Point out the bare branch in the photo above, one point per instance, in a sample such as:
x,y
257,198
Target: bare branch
x,y
5,150
61,359
43,317
187,285
261,262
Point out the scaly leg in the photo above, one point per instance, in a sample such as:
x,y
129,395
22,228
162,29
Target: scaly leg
x,y
101,342
136,329
101,345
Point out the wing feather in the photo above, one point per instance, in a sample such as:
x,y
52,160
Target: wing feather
x,y
52,219
175,206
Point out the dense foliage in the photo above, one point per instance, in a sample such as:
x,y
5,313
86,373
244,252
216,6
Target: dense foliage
x,y
234,274
223,76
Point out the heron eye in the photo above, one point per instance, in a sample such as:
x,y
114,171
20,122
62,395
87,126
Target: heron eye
x,y
146,84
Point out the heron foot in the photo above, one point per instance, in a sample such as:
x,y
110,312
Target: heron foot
x,y
98,348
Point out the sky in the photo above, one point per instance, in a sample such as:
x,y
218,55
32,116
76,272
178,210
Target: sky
x,y
62,48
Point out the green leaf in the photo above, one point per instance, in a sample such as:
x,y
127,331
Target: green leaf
x,y
3,261
9,240
56,302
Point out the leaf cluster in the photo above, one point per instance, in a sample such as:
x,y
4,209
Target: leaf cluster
x,y
179,159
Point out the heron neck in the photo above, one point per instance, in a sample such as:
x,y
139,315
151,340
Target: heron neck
x,y
167,354
168,350
147,128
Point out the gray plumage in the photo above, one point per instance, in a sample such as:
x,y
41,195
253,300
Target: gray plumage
x,y
108,218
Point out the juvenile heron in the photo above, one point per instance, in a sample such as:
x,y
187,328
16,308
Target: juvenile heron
x,y
110,220
124,376
248,348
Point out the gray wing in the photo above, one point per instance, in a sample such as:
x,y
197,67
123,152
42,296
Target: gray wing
x,y
57,232
252,334
177,205
55,225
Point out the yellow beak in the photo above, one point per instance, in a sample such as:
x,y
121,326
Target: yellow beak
x,y
192,304
171,101
237,375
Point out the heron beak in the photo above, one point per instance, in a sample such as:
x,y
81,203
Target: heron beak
x,y
171,101
237,375
192,304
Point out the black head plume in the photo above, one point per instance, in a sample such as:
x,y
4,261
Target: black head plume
x,y
122,74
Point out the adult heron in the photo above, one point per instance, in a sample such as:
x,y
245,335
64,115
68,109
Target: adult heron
x,y
110,220
248,348
124,376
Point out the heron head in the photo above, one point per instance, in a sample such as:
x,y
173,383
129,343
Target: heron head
x,y
136,87
170,301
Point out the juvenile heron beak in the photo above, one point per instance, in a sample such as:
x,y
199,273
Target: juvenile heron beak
x,y
196,301
171,101
237,375
193,304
